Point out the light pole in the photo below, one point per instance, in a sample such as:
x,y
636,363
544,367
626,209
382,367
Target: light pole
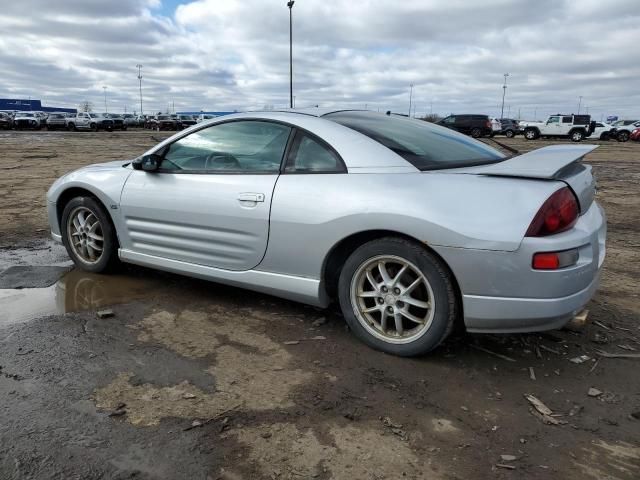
x,y
105,100
140,80
579,103
290,5
504,92
410,98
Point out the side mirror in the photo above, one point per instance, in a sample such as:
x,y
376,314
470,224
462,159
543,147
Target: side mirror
x,y
148,163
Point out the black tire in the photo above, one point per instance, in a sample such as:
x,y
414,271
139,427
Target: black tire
x,y
124,128
510,134
623,136
93,127
605,136
476,132
109,258
436,273
531,134
71,127
576,136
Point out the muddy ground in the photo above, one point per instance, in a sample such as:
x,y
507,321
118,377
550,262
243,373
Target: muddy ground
x,y
190,379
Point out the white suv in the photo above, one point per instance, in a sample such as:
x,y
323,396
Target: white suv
x,y
623,128
575,127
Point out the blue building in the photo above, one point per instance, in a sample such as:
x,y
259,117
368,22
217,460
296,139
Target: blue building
x,y
31,105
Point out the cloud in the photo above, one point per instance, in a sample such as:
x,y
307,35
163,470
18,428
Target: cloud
x,y
225,55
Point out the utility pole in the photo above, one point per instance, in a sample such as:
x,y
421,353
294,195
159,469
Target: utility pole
x,y
579,103
410,97
140,80
105,99
290,5
504,92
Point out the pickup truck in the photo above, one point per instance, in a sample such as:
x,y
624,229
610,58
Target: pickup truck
x,y
89,121
575,127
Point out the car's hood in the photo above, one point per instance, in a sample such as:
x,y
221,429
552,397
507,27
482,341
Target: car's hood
x,y
530,124
112,164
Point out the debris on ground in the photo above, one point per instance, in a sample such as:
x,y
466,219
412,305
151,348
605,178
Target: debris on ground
x,y
495,354
618,355
119,410
292,342
549,349
580,359
319,322
532,373
508,458
106,313
508,467
594,392
543,412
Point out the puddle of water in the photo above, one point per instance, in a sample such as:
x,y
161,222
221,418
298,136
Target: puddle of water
x,y
74,292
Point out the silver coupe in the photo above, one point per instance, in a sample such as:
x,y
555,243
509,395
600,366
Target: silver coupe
x,y
411,227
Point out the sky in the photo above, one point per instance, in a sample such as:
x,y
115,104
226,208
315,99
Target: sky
x,y
224,55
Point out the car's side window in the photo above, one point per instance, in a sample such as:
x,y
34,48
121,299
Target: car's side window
x,y
567,119
554,120
450,120
246,146
311,155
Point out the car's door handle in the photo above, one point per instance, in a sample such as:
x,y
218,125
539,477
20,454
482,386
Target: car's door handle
x,y
251,197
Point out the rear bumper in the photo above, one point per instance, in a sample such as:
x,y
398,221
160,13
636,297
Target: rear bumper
x,y
502,293
511,315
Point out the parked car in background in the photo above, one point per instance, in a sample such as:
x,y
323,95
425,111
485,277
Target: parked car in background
x,y
185,121
475,125
522,252
602,131
204,117
635,135
509,127
166,122
90,121
623,128
6,121
150,122
130,120
27,120
496,126
575,127
118,121
57,121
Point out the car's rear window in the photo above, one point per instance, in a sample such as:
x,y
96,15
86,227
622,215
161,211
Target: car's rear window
x,y
425,145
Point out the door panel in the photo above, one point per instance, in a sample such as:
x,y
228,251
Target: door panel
x,y
218,220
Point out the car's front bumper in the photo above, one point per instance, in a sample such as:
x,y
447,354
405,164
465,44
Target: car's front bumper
x,y
501,292
54,223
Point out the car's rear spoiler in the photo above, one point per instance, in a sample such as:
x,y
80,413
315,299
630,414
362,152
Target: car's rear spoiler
x,y
544,162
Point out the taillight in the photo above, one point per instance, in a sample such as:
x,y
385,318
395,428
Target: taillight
x,y
488,123
556,215
555,260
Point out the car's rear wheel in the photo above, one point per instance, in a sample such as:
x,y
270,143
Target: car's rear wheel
x,y
88,235
577,136
604,136
510,134
476,132
623,136
397,297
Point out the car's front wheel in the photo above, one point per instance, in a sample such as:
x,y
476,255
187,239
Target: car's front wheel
x,y
530,134
510,134
88,235
397,297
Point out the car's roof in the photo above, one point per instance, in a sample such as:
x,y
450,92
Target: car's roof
x,y
358,151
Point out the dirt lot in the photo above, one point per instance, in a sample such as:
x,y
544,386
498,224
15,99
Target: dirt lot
x,y
190,379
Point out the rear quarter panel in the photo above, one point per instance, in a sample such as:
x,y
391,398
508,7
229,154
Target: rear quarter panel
x,y
310,214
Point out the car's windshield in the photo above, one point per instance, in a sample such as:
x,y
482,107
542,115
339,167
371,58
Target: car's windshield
x,y
186,117
424,145
28,115
164,117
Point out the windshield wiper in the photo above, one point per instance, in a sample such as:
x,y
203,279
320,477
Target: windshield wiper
x,y
506,147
